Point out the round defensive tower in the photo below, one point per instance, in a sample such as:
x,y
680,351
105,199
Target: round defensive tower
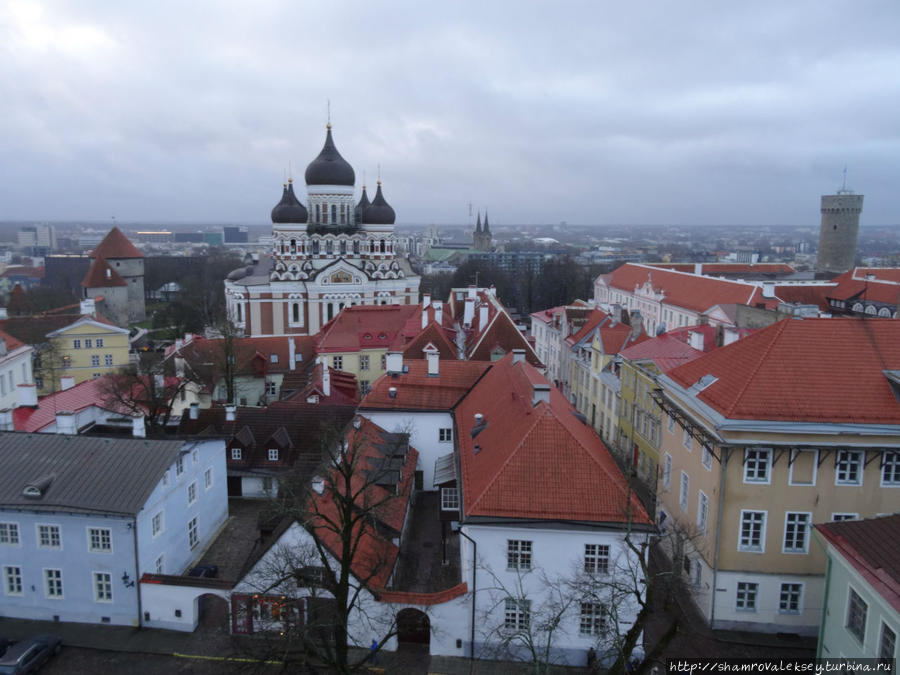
x,y
839,231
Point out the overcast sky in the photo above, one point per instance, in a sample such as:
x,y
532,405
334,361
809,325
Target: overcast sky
x,y
590,113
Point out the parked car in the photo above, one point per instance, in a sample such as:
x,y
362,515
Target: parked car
x,y
209,571
29,655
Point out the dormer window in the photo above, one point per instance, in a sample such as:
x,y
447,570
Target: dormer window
x,y
237,454
273,358
273,454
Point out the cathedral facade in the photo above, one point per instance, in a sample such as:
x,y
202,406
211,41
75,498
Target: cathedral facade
x,y
331,254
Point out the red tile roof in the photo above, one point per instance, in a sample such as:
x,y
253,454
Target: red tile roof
x,y
116,245
302,383
535,461
805,295
435,335
87,394
816,370
852,285
872,547
101,275
690,291
730,268
365,327
416,390
11,342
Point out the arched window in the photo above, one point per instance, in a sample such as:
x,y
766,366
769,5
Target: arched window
x,y
857,307
334,213
356,246
295,312
382,246
315,247
871,310
329,247
318,216
343,247
884,311
293,245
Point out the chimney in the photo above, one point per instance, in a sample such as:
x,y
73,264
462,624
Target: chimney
x,y
426,300
326,378
469,312
179,343
108,273
66,382
637,324
731,335
179,366
318,485
540,392
482,316
138,429
65,423
695,340
393,362
357,422
768,289
870,276
433,357
292,353
479,419
6,419
27,395
698,268
438,311
424,317
473,293
392,392
194,410
88,307
229,413
518,356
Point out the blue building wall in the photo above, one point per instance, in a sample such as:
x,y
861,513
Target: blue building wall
x,y
171,499
77,564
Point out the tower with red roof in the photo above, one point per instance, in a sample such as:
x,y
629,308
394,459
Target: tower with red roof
x,y
117,273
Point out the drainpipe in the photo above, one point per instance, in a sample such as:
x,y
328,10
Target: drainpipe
x,y
137,580
474,587
726,452
828,563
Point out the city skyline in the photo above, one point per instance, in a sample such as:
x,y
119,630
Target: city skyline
x,y
690,114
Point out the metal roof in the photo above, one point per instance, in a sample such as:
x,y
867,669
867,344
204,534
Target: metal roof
x,y
444,469
87,474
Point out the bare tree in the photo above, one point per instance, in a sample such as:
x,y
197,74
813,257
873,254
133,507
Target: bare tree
x,y
349,512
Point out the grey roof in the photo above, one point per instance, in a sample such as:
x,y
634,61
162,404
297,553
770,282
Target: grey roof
x,y
329,168
89,474
289,209
444,469
379,212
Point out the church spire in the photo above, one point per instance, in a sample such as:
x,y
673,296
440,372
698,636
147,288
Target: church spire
x,y
478,224
487,228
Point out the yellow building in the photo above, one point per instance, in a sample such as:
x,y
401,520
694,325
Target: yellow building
x,y
794,425
85,349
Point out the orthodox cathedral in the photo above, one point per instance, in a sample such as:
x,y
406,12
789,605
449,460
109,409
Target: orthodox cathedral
x,y
331,254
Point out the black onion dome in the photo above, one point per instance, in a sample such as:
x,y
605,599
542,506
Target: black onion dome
x,y
329,168
289,209
362,206
379,212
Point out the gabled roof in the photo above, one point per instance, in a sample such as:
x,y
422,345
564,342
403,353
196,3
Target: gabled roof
x,y
498,333
416,390
94,393
804,294
116,245
435,335
614,338
540,462
804,370
12,343
101,275
690,291
883,286
90,475
365,327
872,547
303,383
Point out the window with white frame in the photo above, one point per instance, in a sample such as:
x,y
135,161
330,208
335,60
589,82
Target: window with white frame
x,y
364,362
12,579
9,534
752,533
102,587
195,456
757,464
596,558
95,359
100,539
593,619
789,598
857,611
271,388
517,614
98,342
53,583
518,554
848,465
49,536
193,536
796,532
838,517
157,523
207,478
445,434
273,454
449,499
160,565
76,344
337,362
686,439
88,343
365,386
107,359
707,459
165,478
236,454
192,493
179,466
683,494
746,596
667,471
702,511
890,470
887,645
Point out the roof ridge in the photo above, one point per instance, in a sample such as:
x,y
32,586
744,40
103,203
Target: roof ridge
x,y
759,364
